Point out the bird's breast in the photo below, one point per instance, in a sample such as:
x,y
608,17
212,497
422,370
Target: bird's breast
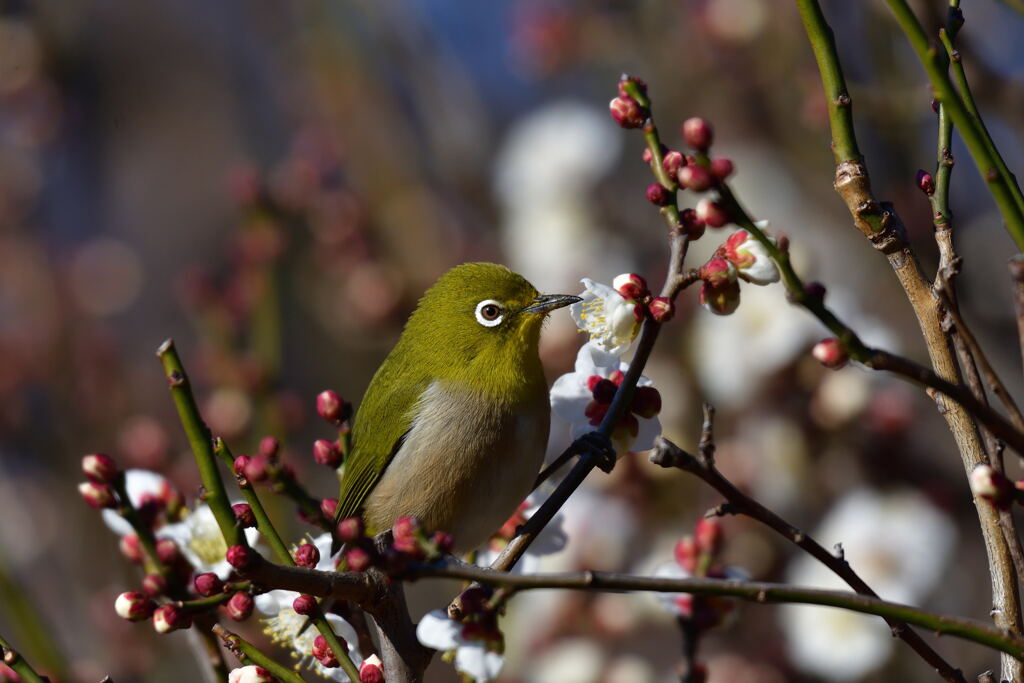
x,y
466,463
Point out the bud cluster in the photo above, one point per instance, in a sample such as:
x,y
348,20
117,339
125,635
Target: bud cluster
x,y
696,555
333,408
646,403
101,473
412,543
323,653
740,257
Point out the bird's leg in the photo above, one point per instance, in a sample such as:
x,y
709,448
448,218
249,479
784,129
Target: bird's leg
x,y
599,447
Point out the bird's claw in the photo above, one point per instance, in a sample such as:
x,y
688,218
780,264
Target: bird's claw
x,y
600,448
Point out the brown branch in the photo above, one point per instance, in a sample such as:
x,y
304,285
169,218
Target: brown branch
x,y
1017,275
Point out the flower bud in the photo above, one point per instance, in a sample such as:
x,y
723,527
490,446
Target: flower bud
x,y
603,390
697,133
371,670
695,178
925,182
617,377
661,309
208,584
357,559
815,290
646,155
167,618
99,468
304,605
240,463
134,606
708,534
327,453
154,585
250,674
405,527
98,496
625,80
329,507
830,353
658,195
331,407
595,412
244,514
722,300
992,485
686,553
307,555
257,469
320,646
718,272
444,541
131,548
630,285
240,606
646,402
751,258
167,550
627,112
721,168
324,654
672,161
712,213
239,556
692,224
351,529
269,446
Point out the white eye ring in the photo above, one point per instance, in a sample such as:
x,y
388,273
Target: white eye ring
x,y
489,313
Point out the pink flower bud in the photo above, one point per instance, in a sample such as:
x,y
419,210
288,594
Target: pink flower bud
x,y
661,309
208,584
695,178
444,541
307,555
351,529
257,469
167,618
646,155
131,548
99,468
595,412
722,300
697,133
630,285
371,670
693,225
134,606
672,162
98,496
718,272
708,534
240,463
658,195
646,402
331,407
712,213
269,446
244,514
925,182
167,550
250,674
240,606
626,80
830,353
627,112
405,528
686,553
325,655
320,647
357,559
329,507
327,453
721,168
992,485
154,585
305,605
240,556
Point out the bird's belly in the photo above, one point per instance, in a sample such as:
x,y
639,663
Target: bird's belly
x,y
464,467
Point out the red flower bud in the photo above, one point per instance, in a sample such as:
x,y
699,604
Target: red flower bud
x,y
351,529
658,195
244,515
661,309
815,290
167,618
595,412
712,213
630,285
257,469
992,485
329,507
693,225
320,647
357,559
167,550
371,670
98,496
250,674
646,402
134,606
721,168
830,353
925,182
717,272
405,527
131,548
240,556
708,534
304,605
625,80
672,162
695,178
331,407
100,468
627,112
208,584
444,541
307,555
616,377
697,133
269,446
686,553
240,463
327,453
604,391
154,585
240,606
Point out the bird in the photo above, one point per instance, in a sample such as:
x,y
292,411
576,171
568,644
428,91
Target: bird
x,y
453,427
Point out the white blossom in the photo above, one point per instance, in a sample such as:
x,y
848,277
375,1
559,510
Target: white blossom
x,y
611,320
200,540
472,656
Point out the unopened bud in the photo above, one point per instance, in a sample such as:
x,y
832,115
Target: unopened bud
x,y
167,550
154,585
320,647
371,670
257,469
692,224
718,272
627,112
331,407
167,618
625,80
99,468
630,285
721,168
672,162
722,300
712,213
351,529
658,195
708,534
240,606
250,674
304,605
239,556
444,541
208,584
815,290
405,527
327,453
240,463
697,133
686,553
603,390
307,555
830,353
244,514
925,182
329,507
695,178
661,309
357,559
98,496
134,606
646,402
992,485
131,548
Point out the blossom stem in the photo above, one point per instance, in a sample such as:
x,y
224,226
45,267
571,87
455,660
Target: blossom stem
x,y
247,653
19,664
145,534
202,444
309,505
204,604
339,648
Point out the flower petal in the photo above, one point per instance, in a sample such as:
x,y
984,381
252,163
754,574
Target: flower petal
x,y
138,483
569,396
437,631
650,429
474,659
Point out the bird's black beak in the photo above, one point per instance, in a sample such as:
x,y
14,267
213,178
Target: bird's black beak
x,y
545,303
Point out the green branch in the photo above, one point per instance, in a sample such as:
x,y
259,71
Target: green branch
x,y
19,664
247,653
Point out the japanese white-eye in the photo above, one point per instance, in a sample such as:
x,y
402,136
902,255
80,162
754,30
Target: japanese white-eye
x,y
453,427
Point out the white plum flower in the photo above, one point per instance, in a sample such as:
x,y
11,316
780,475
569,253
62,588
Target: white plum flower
x,y
199,538
552,539
288,628
750,257
611,319
476,653
143,486
582,397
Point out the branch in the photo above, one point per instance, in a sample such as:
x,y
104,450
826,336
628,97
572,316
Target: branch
x,y
19,664
247,653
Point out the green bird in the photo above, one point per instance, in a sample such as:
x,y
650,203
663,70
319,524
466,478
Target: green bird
x,y
454,425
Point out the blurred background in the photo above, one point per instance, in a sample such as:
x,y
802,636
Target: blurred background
x,y
274,185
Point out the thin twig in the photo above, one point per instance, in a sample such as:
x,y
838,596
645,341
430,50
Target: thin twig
x,y
19,664
247,653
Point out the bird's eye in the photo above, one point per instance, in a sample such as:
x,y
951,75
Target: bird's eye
x,y
489,313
